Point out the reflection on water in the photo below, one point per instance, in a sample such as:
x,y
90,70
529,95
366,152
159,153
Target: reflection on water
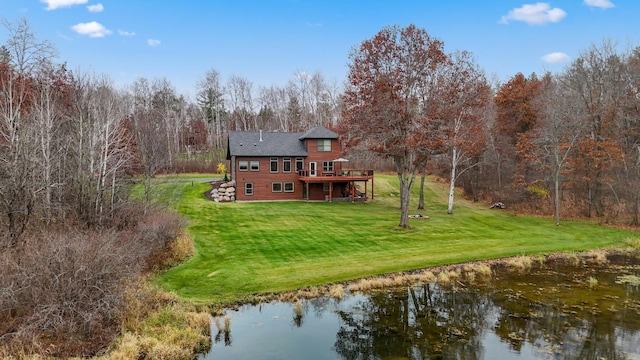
x,y
554,311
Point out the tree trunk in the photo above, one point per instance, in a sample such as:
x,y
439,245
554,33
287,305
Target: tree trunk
x,y
557,195
452,183
405,196
636,209
406,179
474,182
423,176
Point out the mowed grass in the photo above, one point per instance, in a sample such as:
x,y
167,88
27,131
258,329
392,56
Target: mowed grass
x,y
252,248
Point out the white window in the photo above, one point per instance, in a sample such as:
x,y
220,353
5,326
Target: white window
x,y
288,187
255,165
273,167
324,144
327,166
243,165
276,187
299,164
248,188
286,165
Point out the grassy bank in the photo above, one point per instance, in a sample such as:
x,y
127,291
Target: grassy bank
x,y
250,248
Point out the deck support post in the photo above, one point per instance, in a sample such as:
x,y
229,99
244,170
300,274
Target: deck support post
x,y
330,191
308,195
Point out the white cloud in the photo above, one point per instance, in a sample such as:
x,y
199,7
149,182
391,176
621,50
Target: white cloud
x,y
54,4
153,42
534,14
92,29
603,4
126,33
556,57
95,8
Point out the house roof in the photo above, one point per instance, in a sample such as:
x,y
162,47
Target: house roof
x,y
319,132
248,143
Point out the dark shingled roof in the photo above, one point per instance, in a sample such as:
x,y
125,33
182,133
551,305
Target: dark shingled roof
x,y
319,132
247,143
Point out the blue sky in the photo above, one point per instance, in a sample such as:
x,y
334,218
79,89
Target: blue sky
x,y
268,41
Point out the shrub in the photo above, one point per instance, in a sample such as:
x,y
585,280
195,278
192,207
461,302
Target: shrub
x,y
69,292
64,293
157,238
221,168
538,190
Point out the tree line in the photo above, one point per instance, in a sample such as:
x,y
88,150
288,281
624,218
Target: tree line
x,y
564,144
556,144
72,144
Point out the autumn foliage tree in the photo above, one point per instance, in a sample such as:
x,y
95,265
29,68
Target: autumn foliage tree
x,y
463,93
598,78
516,117
389,82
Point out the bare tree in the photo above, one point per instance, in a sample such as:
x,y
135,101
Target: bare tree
x,y
25,52
102,147
240,100
168,107
559,130
210,97
274,99
149,131
17,144
628,127
52,90
464,92
598,77
301,88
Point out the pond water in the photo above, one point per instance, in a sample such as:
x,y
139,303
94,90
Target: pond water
x,y
554,310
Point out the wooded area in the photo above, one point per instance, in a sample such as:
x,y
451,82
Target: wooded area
x,y
71,144
563,144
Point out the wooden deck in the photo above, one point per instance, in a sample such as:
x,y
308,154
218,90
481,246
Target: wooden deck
x,y
335,176
349,176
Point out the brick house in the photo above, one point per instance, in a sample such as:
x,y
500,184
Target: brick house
x,y
292,166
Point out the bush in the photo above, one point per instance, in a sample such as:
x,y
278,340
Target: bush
x,y
62,295
68,292
157,236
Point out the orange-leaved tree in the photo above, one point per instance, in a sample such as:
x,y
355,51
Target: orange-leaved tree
x,y
516,119
386,100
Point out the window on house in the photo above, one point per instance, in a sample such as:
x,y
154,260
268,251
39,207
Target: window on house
x,y
248,188
243,165
327,166
325,187
299,164
286,165
273,167
276,187
324,144
255,165
288,187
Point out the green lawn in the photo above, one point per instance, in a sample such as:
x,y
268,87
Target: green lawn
x,y
250,248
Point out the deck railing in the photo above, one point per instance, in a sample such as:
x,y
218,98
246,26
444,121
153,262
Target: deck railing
x,y
338,173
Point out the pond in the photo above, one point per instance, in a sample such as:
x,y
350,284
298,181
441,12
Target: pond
x,y
562,308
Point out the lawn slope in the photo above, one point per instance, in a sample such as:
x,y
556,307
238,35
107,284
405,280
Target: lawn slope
x,y
250,248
